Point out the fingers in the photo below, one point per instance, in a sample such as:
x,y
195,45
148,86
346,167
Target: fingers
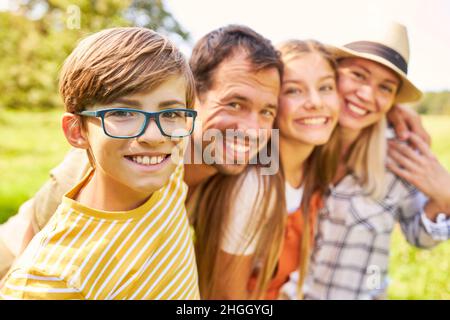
x,y
397,170
404,158
406,121
415,124
421,145
398,121
406,151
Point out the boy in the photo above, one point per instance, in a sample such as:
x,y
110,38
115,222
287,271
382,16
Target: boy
x,y
122,232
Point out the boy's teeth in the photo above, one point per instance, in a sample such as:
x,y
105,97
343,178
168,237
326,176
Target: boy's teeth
x,y
318,120
146,160
357,109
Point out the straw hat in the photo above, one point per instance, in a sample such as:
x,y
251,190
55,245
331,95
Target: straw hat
x,y
389,46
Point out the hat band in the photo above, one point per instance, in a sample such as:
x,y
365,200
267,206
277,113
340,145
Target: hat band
x,y
380,50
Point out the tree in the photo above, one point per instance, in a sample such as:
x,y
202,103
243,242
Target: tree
x,y
434,103
37,37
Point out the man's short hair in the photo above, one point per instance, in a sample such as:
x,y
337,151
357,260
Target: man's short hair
x,y
221,44
117,62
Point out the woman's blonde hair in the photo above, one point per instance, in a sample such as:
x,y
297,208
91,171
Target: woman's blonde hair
x,y
366,159
318,170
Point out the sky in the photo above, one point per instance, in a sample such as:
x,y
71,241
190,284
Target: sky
x,y
330,21
334,22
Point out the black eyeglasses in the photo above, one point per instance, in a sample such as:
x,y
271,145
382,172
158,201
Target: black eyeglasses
x,y
124,123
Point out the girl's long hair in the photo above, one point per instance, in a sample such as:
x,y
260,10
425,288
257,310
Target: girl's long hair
x,y
211,214
321,165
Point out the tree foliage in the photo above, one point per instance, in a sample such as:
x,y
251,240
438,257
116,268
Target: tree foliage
x,y
434,103
37,36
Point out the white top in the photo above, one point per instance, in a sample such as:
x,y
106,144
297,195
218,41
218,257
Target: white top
x,y
239,229
293,197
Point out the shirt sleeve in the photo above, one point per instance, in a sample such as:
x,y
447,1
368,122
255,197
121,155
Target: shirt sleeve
x,y
12,235
241,234
35,213
26,286
410,218
439,230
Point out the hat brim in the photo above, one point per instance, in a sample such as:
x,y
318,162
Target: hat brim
x,y
408,92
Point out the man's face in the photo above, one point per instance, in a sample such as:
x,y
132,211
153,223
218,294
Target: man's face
x,y
243,100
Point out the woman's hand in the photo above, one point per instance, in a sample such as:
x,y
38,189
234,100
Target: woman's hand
x,y
415,163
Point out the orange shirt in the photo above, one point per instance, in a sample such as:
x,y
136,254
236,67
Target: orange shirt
x,y
290,251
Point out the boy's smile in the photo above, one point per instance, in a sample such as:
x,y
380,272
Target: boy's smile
x,y
148,160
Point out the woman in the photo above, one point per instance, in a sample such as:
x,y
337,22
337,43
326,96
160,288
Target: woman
x,y
350,260
242,267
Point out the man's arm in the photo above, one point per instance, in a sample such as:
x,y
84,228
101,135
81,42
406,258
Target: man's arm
x,y
405,121
18,231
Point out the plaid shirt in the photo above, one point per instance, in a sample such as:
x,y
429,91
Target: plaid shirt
x,y
350,259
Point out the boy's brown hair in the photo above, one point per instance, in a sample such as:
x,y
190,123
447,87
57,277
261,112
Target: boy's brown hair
x,y
117,62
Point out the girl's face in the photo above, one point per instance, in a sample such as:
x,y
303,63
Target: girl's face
x,y
368,90
309,102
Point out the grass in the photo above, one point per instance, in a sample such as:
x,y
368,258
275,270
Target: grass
x,y
423,274
33,143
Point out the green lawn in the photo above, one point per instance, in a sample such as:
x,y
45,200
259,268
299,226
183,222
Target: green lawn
x,y
32,143
423,274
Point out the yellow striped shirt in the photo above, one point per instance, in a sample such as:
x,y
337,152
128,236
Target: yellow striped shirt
x,y
82,253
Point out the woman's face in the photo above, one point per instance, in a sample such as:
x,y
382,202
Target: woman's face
x,y
368,90
309,102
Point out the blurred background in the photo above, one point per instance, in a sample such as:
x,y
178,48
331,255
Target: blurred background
x,y
37,35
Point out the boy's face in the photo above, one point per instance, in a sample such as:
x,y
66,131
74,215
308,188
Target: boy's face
x,y
128,162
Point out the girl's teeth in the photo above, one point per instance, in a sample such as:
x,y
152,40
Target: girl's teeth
x,y
314,121
357,110
146,160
